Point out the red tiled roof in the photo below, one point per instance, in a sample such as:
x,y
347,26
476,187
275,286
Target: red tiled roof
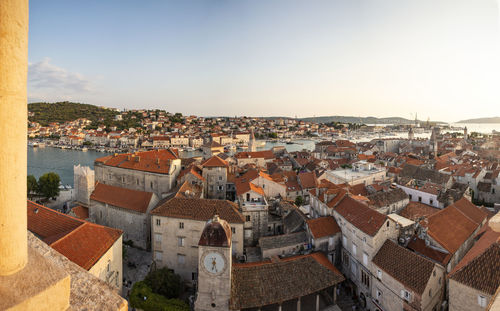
x,y
49,225
416,211
134,200
82,242
156,161
87,244
438,226
81,212
418,245
244,187
408,268
266,154
361,216
308,180
199,209
323,226
214,161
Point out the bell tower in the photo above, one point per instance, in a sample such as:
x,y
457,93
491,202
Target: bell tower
x,y
214,266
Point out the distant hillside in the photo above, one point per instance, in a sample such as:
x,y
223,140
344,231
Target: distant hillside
x,y
366,120
482,120
45,113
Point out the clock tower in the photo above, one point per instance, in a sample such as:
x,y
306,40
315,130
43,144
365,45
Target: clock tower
x,y
214,266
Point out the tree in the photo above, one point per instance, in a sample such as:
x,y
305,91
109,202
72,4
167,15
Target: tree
x,y
144,298
164,282
48,185
299,200
32,186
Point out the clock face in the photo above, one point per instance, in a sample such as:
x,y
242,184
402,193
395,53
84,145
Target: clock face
x,y
214,262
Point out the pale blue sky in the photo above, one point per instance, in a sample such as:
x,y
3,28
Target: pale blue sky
x,y
439,58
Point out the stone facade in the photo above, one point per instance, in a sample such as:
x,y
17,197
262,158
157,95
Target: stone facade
x,y
215,182
390,294
135,225
166,234
109,268
84,181
465,298
160,184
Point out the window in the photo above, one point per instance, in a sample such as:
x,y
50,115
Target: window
x,y
410,196
354,249
481,301
220,188
158,221
344,240
248,196
379,274
365,259
330,241
365,278
181,259
439,281
406,295
233,229
434,273
354,269
419,199
181,225
247,218
107,268
431,201
387,225
220,177
137,181
194,276
158,256
378,294
180,241
158,237
430,292
345,258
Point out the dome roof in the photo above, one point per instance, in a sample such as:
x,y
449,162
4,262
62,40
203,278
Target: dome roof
x,y
217,232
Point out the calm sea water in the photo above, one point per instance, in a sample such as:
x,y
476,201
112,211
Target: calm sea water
x,y
60,161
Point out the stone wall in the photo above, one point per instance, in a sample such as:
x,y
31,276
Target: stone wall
x,y
109,268
464,298
170,232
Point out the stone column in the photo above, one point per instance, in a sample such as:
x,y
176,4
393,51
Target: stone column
x,y
13,132
335,294
317,302
298,304
279,307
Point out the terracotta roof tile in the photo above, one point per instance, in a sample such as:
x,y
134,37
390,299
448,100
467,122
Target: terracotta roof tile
x,y
408,268
82,242
199,209
308,180
418,245
417,211
361,216
483,271
134,200
438,227
214,161
323,226
156,161
268,282
81,212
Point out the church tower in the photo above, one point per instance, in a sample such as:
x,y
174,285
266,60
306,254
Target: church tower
x,y
411,135
465,133
252,147
214,266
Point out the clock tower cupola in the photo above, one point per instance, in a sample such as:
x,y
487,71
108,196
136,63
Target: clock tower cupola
x,y
214,266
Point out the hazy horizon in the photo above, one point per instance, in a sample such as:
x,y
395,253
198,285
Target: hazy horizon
x,y
439,59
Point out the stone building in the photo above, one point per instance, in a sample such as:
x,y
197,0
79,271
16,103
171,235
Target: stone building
x,y
364,231
125,209
211,149
176,228
404,280
476,278
255,210
387,202
150,171
324,236
227,285
95,248
84,181
214,173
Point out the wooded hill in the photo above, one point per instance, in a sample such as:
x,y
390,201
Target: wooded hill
x,y
45,113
